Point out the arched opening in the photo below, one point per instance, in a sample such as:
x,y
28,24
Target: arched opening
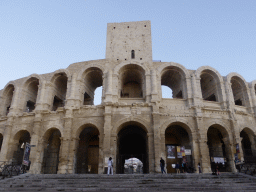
x,y
8,99
51,151
220,154
209,86
178,148
166,92
93,80
31,94
132,142
20,140
132,81
238,91
172,77
59,91
1,141
87,157
98,96
249,152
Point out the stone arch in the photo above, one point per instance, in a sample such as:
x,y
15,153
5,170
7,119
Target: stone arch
x,y
88,150
177,121
248,144
51,149
90,80
177,65
220,144
131,142
123,122
31,92
176,134
59,81
123,64
252,86
27,80
60,71
17,145
132,81
239,89
79,127
211,83
174,76
87,67
7,98
223,127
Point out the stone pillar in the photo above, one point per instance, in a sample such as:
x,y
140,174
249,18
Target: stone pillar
x,y
35,166
203,147
157,140
195,150
64,159
72,159
253,144
230,154
41,103
108,95
148,88
16,101
151,158
162,153
5,150
154,96
107,135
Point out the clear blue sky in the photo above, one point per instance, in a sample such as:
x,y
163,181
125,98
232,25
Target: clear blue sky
x,y
41,36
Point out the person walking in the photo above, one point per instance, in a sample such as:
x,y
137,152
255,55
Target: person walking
x,y
177,167
110,166
199,168
162,164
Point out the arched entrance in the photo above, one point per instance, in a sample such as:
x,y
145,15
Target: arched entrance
x,y
51,151
132,142
220,153
247,146
87,157
178,148
20,140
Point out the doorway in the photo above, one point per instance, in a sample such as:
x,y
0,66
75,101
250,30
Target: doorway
x,y
132,143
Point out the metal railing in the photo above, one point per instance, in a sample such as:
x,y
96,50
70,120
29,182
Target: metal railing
x,y
9,169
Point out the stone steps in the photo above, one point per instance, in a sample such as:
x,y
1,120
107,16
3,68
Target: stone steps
x,y
147,182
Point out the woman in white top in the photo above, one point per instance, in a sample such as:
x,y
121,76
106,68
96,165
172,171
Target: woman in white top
x,y
110,166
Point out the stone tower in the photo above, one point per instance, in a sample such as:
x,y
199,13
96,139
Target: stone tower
x,y
129,41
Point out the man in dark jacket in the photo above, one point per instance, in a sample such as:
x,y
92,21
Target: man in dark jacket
x,y
162,164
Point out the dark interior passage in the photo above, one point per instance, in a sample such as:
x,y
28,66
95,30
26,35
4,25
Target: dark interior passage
x,y
132,142
88,151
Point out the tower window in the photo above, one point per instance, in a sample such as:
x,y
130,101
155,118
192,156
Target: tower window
x,y
133,54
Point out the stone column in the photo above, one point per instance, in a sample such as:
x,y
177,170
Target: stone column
x,y
107,135
151,158
157,140
16,101
5,150
195,150
35,167
148,88
154,96
64,159
109,87
72,159
203,147
230,154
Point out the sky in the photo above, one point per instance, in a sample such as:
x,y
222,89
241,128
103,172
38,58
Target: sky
x,y
41,36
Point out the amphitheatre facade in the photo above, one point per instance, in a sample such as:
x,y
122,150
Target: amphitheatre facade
x,y
209,116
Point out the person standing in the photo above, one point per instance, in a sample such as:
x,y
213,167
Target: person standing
x,y
162,164
199,168
110,166
177,167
